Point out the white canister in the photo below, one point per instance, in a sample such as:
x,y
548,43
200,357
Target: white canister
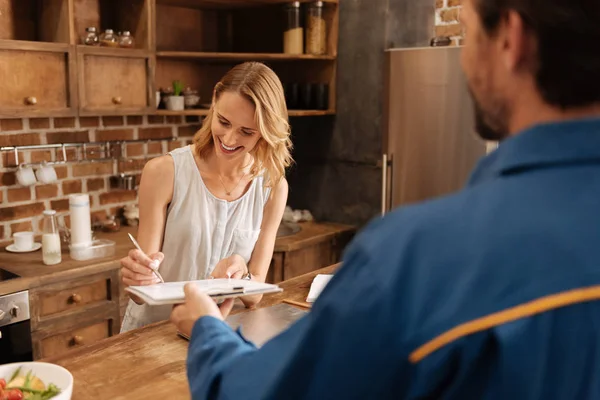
x,y
81,220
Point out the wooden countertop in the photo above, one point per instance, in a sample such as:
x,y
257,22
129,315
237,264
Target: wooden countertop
x,y
311,233
150,362
34,273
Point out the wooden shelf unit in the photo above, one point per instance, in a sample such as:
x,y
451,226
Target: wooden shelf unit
x,y
194,41
228,32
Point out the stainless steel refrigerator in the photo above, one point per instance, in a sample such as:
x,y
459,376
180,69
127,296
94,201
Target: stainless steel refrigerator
x,y
429,142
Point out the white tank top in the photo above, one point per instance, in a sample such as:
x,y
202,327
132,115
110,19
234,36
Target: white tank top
x,y
200,230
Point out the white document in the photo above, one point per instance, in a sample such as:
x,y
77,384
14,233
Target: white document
x,y
317,286
172,292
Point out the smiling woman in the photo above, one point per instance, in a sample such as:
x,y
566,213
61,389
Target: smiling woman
x,y
212,209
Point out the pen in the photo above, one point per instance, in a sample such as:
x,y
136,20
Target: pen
x,y
155,270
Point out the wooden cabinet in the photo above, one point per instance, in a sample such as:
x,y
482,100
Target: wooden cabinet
x,y
45,70
317,245
56,299
74,312
115,83
70,338
193,41
37,79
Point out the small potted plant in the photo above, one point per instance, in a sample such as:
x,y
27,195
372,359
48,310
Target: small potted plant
x,y
175,101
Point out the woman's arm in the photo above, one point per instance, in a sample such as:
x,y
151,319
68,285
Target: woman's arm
x,y
260,261
155,194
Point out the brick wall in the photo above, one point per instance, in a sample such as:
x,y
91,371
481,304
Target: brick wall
x,y
447,14
21,207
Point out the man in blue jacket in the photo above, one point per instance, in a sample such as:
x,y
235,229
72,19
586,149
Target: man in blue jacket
x,y
490,293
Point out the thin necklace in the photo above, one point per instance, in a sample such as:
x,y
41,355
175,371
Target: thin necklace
x,y
238,184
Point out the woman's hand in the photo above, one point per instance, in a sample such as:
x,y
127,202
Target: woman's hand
x,y
233,266
136,268
197,305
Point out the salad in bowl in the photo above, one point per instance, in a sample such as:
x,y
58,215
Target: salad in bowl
x,y
35,381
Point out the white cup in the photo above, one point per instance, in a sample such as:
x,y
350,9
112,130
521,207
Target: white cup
x,y
46,174
23,240
26,176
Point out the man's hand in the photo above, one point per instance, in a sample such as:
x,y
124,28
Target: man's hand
x,y
196,306
233,266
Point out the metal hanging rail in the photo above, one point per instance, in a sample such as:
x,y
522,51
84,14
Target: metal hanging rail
x,y
106,147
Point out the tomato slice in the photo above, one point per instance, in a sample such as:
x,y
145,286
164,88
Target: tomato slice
x,y
13,394
2,383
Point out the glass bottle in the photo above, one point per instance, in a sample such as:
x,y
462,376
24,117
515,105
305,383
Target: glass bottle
x,y
316,30
126,40
91,36
293,36
51,251
108,39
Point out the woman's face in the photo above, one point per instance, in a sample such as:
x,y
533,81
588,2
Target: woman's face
x,y
233,127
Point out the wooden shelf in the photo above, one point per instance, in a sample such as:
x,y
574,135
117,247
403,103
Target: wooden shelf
x,y
27,45
113,51
310,113
201,112
229,4
292,113
216,56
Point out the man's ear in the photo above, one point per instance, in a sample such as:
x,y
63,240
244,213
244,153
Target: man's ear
x,y
517,43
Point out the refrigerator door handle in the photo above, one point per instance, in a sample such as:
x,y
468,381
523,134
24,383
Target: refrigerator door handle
x,y
385,186
383,183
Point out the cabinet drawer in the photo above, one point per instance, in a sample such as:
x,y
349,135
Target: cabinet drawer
x,y
116,85
34,82
60,300
71,339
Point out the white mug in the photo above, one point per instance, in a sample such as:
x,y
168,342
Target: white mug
x,y
46,174
25,176
23,240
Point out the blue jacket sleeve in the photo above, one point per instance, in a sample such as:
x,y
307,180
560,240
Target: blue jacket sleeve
x,y
345,348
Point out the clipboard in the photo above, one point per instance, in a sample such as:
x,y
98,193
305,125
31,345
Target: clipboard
x,y
172,292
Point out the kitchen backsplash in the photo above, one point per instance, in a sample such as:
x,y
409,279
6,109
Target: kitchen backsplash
x,y
447,17
21,207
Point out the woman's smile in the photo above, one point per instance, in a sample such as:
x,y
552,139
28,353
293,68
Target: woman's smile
x,y
228,149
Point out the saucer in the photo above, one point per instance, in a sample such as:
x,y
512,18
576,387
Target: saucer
x,y
13,249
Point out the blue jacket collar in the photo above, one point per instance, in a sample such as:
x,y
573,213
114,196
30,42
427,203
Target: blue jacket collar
x,y
544,145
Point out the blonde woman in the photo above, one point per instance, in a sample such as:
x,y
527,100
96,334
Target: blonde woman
x,y
213,208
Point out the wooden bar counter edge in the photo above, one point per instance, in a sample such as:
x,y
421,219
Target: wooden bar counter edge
x,y
151,361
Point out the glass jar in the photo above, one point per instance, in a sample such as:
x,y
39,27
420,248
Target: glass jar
x,y
293,36
316,29
112,224
91,36
126,40
51,249
108,39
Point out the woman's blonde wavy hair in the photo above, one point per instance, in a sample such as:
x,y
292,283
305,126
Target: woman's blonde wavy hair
x,y
261,86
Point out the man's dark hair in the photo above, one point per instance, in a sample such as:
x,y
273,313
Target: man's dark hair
x,y
568,36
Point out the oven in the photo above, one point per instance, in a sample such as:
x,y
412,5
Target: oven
x,y
15,328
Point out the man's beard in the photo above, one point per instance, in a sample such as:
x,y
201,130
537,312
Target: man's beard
x,y
490,126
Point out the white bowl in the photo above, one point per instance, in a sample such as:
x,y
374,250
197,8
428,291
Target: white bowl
x,y
48,373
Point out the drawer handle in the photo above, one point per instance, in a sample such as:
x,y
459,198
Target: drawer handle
x,y
75,298
31,101
117,100
77,340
